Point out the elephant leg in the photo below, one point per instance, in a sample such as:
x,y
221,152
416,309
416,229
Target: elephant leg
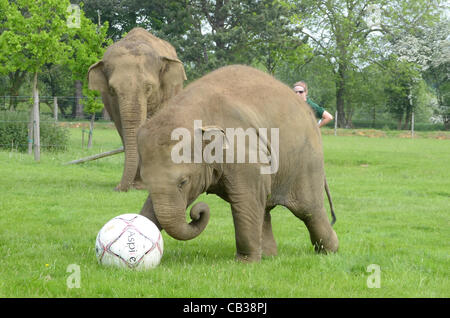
x,y
138,183
269,246
247,190
323,237
248,218
148,211
307,205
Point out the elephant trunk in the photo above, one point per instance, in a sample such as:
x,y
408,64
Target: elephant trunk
x,y
172,217
132,114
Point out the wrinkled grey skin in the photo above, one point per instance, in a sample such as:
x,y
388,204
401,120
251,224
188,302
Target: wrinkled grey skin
x,y
237,97
136,78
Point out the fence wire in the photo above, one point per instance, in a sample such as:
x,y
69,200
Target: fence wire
x,y
68,107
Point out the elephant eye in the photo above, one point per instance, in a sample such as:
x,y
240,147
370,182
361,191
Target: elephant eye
x,y
183,182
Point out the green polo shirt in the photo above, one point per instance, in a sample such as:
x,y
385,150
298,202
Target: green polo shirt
x,y
317,109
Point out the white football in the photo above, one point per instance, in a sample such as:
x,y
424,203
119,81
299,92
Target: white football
x,y
129,241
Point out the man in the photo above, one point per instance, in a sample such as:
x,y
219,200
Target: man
x,y
301,88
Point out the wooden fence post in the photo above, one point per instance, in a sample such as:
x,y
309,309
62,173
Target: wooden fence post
x,y
55,108
30,132
82,138
36,121
91,131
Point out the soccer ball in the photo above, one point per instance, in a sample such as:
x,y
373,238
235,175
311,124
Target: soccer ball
x,y
129,241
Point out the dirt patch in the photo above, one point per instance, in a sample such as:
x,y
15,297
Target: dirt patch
x,y
73,125
373,133
85,125
442,136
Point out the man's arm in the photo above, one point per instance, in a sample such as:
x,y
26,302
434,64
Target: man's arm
x,y
326,118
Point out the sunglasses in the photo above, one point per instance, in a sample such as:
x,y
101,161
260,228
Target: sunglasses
x,y
299,92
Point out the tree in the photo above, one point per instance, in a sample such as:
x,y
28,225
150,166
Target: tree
x,y
89,43
226,32
208,34
271,37
33,36
367,93
41,32
121,15
337,31
436,70
319,76
346,34
402,79
425,51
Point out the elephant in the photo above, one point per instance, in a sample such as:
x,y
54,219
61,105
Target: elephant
x,y
212,107
136,78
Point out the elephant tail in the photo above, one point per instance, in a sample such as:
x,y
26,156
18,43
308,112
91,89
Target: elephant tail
x,y
327,190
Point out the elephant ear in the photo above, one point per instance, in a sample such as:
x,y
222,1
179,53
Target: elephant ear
x,y
96,78
213,130
172,76
98,82
213,147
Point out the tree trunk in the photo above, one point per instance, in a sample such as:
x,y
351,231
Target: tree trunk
x,y
340,96
16,79
407,119
348,121
399,122
374,117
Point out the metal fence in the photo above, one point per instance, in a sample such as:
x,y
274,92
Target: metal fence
x,y
59,107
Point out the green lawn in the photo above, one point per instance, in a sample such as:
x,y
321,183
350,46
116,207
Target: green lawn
x,y
391,197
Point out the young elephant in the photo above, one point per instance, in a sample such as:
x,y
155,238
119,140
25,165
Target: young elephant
x,y
233,103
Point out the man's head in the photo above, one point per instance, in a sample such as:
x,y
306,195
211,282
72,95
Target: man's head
x,y
301,89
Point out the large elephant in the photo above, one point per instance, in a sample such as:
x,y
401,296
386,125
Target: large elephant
x,y
136,78
289,171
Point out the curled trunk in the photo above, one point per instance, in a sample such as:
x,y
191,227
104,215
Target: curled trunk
x,y
172,217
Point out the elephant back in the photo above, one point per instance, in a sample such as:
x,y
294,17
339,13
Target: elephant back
x,y
139,42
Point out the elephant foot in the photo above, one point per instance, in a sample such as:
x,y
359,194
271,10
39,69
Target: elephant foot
x,y
248,258
329,245
270,251
138,185
121,188
269,246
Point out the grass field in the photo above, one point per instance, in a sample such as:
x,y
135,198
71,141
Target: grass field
x,y
391,197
